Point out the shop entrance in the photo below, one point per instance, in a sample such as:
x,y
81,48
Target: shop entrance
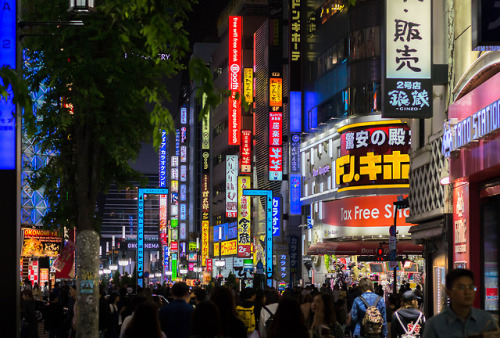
x,y
490,225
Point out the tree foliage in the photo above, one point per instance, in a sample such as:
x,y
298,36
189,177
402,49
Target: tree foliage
x,y
106,95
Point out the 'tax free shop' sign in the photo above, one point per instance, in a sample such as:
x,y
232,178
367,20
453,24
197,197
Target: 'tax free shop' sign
x,y
363,216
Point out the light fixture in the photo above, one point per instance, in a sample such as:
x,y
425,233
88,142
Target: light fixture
x,y
444,178
197,269
220,263
81,6
183,271
123,262
158,274
106,270
101,272
168,273
113,267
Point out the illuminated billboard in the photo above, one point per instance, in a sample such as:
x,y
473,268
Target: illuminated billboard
x,y
275,163
248,84
246,152
244,218
373,155
275,128
231,186
234,101
407,81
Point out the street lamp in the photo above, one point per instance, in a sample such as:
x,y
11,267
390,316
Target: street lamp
x,y
81,6
113,267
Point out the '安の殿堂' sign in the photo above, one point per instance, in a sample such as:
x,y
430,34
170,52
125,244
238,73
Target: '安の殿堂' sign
x,y
407,87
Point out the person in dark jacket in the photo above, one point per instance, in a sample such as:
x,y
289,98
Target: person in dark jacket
x,y
29,323
175,317
54,317
408,319
246,309
232,326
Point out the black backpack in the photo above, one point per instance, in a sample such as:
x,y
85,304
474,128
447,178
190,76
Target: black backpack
x,y
269,321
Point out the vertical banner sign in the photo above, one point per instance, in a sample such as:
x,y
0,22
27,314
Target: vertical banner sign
x,y
177,142
275,127
294,255
295,192
407,82
246,152
244,219
295,154
248,84
183,115
461,221
276,216
183,154
231,186
205,132
295,46
140,228
234,103
162,184
8,47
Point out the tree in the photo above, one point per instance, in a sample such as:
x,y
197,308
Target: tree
x,y
106,94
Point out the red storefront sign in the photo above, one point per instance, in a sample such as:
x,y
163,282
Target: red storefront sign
x,y
275,128
234,79
209,265
174,246
275,163
461,221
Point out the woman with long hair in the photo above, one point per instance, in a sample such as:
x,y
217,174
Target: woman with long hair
x,y
288,320
144,323
232,326
205,322
324,320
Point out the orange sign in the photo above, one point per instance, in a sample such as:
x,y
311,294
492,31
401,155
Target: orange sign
x,y
204,242
275,92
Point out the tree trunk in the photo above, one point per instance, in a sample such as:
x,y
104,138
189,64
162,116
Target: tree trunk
x,y
87,287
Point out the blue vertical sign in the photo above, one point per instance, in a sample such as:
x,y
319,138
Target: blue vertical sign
x,y
276,216
7,108
163,159
295,193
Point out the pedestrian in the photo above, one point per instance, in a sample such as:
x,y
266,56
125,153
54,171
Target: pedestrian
x,y
408,320
246,309
114,316
135,302
205,322
46,291
375,322
288,320
460,319
37,293
306,305
144,322
324,320
232,326
268,311
70,318
29,325
175,317
54,317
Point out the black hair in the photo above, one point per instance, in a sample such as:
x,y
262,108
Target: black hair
x,y
180,289
455,274
247,293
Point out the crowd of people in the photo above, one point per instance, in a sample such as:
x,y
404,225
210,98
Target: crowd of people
x,y
222,311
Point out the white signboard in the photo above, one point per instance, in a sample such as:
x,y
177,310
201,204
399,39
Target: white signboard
x,y
232,186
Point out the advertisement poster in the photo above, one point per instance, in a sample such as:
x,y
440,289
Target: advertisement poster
x,y
37,243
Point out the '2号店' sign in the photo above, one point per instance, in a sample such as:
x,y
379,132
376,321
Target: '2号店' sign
x,y
407,82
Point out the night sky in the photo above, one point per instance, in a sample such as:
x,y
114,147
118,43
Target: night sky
x,y
203,21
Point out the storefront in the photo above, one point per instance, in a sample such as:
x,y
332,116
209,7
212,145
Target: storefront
x,y
472,143
353,173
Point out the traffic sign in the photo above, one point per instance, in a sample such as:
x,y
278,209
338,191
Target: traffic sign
x,y
392,230
392,255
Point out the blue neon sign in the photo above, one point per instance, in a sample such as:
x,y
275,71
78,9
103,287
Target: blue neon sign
x,y
7,108
295,192
269,226
295,112
276,216
140,228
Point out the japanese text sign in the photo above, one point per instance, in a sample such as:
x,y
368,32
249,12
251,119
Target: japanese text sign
x,y
373,156
231,185
204,241
275,163
244,219
246,151
408,82
275,92
248,84
276,216
234,103
275,128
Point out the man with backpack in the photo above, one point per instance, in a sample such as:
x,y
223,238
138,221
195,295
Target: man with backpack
x,y
246,309
368,315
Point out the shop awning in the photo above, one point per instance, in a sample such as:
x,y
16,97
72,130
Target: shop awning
x,y
362,248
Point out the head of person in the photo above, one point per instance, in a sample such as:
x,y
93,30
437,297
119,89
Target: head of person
x,y
205,321
248,294
180,290
271,296
288,319
409,300
224,300
114,297
323,303
53,298
365,285
200,295
460,287
27,294
145,321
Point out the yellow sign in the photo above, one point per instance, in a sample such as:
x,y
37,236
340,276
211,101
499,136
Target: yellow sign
x,y
204,242
275,92
228,248
244,220
248,84
393,166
